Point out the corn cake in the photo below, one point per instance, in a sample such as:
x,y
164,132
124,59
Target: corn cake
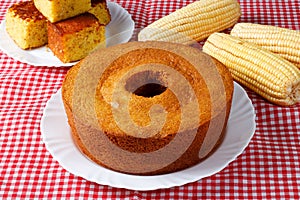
x,y
100,10
74,38
109,116
26,25
57,10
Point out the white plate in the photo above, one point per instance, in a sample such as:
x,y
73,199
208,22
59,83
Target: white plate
x,y
119,30
57,138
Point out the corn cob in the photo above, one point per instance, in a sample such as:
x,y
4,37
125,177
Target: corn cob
x,y
266,73
193,22
282,41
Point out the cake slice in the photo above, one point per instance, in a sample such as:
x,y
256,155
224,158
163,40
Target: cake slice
x,y
26,25
100,10
74,38
57,10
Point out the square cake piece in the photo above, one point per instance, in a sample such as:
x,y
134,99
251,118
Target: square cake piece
x,y
100,10
26,25
57,10
74,38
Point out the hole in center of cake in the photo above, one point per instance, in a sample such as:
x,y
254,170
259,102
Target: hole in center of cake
x,y
150,90
146,84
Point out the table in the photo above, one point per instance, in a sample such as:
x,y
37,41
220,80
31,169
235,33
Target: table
x,y
269,168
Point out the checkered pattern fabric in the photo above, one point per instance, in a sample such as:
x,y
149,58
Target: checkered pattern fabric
x,y
269,168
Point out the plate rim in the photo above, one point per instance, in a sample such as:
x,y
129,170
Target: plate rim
x,y
178,178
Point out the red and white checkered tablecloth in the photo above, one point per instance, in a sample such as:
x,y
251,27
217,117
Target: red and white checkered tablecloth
x,y
269,168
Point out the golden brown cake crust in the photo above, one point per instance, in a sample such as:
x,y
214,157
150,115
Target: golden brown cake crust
x,y
26,11
74,24
119,60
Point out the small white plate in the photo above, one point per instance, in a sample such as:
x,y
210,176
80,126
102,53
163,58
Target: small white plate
x,y
58,140
119,30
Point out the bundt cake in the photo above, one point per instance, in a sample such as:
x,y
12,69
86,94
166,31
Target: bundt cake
x,y
148,108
